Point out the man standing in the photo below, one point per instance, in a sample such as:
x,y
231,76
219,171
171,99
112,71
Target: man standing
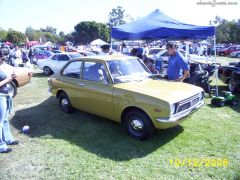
x,y
178,68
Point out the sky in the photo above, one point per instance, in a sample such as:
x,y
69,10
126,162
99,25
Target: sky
x,y
65,14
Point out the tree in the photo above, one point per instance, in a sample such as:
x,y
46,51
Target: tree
x,y
3,35
49,29
116,17
32,34
87,31
226,31
16,37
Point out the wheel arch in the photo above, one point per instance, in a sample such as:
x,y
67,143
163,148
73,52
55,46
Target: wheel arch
x,y
59,92
130,108
15,82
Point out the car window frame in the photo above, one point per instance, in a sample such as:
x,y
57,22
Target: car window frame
x,y
80,75
109,81
59,55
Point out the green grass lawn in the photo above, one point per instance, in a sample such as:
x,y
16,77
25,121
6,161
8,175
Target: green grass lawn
x,y
85,146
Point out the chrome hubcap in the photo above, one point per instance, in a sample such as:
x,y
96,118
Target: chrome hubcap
x,y
64,102
47,70
231,85
137,125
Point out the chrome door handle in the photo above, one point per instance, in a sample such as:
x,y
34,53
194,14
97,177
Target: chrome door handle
x,y
81,84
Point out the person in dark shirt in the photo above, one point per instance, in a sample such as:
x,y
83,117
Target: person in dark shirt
x,y
6,137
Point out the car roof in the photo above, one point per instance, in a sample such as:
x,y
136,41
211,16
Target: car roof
x,y
106,58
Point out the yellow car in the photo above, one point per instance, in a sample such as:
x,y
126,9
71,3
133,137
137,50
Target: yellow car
x,y
121,88
23,76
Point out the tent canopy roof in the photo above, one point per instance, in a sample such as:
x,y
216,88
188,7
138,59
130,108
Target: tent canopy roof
x,y
157,25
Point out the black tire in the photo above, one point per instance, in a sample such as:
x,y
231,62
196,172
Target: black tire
x,y
221,103
232,85
221,54
65,104
214,102
234,102
238,56
47,70
138,125
13,89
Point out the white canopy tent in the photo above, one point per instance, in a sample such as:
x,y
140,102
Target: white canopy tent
x,y
98,42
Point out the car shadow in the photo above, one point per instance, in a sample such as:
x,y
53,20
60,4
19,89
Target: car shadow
x,y
223,88
97,135
40,75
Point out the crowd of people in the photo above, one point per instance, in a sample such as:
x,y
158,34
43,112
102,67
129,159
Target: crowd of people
x,y
15,55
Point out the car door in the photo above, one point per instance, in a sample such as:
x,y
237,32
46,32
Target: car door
x,y
70,83
61,60
97,96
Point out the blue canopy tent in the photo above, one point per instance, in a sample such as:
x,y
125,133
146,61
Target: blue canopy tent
x,y
157,25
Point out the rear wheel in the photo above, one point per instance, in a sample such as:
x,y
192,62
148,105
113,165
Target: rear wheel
x,y
47,70
234,102
220,103
12,89
138,125
232,85
65,104
221,54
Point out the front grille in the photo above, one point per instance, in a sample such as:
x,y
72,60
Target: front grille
x,y
187,103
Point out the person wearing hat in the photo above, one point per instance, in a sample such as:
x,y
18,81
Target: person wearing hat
x,y
178,68
6,137
105,50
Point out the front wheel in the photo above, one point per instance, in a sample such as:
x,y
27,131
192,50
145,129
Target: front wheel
x,y
234,102
138,125
232,85
65,104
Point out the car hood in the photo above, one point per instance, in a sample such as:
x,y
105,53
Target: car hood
x,y
8,70
168,91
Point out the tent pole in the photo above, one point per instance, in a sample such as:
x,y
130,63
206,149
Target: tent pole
x,y
215,59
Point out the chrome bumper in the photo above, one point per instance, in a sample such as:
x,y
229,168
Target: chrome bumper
x,y
174,118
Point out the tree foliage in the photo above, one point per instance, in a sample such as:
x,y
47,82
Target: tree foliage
x,y
16,37
116,17
227,31
87,31
3,35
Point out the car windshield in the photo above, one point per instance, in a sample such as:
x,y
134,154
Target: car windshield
x,y
73,56
127,70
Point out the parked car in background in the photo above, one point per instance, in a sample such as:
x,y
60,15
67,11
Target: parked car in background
x,y
122,88
54,63
154,51
229,50
191,57
87,53
230,75
235,54
40,55
23,76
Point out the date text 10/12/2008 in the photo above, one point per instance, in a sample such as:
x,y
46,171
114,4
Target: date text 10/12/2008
x,y
194,162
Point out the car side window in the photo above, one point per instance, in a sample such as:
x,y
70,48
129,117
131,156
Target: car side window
x,y
95,71
54,57
63,57
165,54
73,69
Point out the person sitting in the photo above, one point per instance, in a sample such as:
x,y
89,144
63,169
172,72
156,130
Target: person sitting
x,y
115,71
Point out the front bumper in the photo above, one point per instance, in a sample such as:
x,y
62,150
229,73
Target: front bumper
x,y
175,119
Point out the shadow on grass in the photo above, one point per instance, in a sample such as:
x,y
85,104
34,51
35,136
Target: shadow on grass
x,y
97,135
40,75
222,88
